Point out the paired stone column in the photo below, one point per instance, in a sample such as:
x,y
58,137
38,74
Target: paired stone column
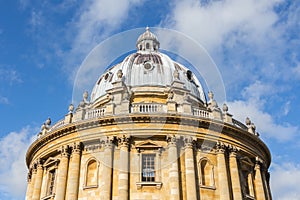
x,y
74,172
38,181
30,185
123,168
107,169
258,183
191,192
223,185
173,169
235,176
62,173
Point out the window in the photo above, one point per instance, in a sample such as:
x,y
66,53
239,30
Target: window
x,y
51,182
206,173
147,46
50,166
148,167
246,175
149,155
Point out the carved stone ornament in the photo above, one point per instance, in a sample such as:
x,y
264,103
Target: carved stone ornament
x,y
225,108
172,140
188,142
176,75
76,147
108,142
220,147
123,141
170,95
71,108
120,74
64,150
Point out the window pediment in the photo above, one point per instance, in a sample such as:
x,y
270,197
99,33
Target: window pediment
x,y
148,144
51,161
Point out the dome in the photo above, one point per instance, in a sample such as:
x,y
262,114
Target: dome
x,y
148,67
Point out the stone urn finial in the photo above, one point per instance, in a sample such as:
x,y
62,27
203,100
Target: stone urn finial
x,y
210,95
120,74
176,74
225,108
248,121
85,96
71,108
48,122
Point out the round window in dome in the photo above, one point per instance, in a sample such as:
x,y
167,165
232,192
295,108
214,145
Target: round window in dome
x,y
148,66
107,76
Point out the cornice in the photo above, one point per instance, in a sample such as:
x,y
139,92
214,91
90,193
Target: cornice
x,y
246,139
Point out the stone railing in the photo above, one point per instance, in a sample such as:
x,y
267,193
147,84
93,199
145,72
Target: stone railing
x,y
201,113
58,124
146,108
95,113
239,124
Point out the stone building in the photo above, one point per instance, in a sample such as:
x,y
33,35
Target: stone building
x,y
148,132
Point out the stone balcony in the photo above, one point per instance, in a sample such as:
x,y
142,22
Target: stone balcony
x,y
86,114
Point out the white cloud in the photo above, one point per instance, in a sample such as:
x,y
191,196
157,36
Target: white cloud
x,y
212,23
8,75
4,100
13,171
285,181
254,107
94,22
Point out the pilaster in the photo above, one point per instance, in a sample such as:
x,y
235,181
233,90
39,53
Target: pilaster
x,y
30,181
123,168
191,192
74,172
107,169
223,185
38,181
62,173
173,168
235,176
258,182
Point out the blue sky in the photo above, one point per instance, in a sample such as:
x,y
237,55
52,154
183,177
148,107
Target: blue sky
x,y
254,43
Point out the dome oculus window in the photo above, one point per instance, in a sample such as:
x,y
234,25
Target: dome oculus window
x,y
189,75
148,66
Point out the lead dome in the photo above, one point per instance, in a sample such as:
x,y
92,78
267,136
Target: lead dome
x,y
148,67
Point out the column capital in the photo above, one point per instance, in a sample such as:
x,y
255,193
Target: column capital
x,y
233,150
220,147
188,142
108,142
76,147
124,141
29,176
39,163
259,163
64,150
172,140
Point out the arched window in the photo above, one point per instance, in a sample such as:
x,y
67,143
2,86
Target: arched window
x,y
147,46
91,179
246,173
206,169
